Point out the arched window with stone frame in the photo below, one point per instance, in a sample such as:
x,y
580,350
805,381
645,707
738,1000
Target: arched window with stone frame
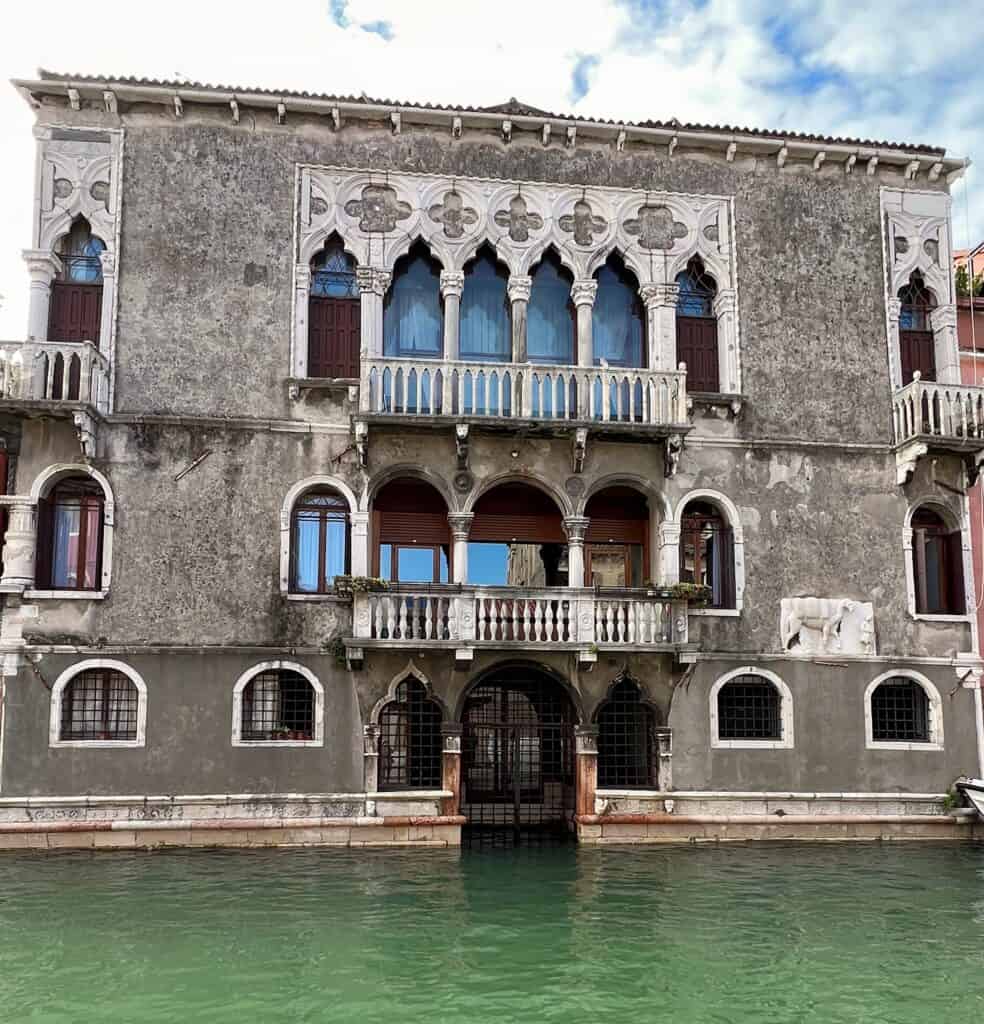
x,y
413,317
70,535
697,327
937,564
618,329
485,323
707,552
410,742
320,541
628,749
334,314
75,311
551,318
917,343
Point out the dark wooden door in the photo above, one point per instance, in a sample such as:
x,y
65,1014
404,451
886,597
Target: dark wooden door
x,y
333,337
918,353
76,311
697,346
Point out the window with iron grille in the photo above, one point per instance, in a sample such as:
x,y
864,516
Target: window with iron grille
x,y
749,709
707,553
99,704
410,744
334,315
278,704
627,748
900,712
70,535
76,294
697,329
320,543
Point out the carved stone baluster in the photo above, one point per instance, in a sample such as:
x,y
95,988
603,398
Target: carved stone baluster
x,y
402,616
429,617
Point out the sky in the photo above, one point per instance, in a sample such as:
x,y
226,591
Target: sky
x,y
901,71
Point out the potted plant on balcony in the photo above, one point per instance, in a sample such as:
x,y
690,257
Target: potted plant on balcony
x,y
348,585
698,594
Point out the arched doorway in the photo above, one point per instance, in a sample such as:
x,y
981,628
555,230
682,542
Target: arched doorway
x,y
518,759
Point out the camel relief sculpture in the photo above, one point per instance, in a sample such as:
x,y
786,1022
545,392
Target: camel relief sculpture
x,y
827,625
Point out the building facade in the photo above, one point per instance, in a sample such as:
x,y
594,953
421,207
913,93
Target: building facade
x,y
381,473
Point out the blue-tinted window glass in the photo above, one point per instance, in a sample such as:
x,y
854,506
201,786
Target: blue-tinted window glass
x,y
549,320
696,292
333,274
488,563
412,318
79,254
484,330
616,326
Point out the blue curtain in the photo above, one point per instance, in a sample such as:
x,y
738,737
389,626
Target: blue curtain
x,y
616,326
484,330
412,318
307,530
64,569
549,323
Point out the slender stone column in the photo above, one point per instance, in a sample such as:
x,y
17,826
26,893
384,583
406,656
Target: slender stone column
x,y
19,545
108,261
43,266
725,309
373,284
943,320
586,748
370,749
575,527
668,566
664,770
460,528
452,285
302,296
451,768
519,297
894,307
661,302
360,543
583,294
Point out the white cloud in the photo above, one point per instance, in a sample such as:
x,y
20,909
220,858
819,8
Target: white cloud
x,y
904,72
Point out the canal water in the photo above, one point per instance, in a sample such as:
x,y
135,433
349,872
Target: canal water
x,y
721,934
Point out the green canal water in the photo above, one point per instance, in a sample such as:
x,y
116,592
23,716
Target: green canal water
x,y
742,934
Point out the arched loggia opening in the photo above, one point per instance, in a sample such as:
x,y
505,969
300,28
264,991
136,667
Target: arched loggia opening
x,y
518,758
617,540
411,533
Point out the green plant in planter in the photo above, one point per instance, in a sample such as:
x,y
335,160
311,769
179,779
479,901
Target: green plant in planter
x,y
359,584
692,593
336,648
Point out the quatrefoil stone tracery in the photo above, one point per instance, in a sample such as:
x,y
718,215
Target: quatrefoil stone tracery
x,y
379,209
453,215
655,227
518,219
583,223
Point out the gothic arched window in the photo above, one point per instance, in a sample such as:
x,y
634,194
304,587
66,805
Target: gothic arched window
x,y
410,746
916,342
334,314
484,332
550,315
697,329
413,321
618,318
75,311
627,747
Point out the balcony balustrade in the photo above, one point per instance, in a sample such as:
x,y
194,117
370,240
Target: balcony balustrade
x,y
54,372
509,616
505,391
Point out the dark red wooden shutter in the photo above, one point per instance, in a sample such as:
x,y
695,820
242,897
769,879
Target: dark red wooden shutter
x,y
955,596
725,538
697,346
76,311
45,543
918,351
3,490
333,337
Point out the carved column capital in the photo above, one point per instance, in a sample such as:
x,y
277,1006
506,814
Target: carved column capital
x,y
451,732
943,318
108,260
452,283
894,309
370,735
19,545
575,527
302,276
460,523
519,287
584,291
657,295
373,280
586,739
42,265
725,302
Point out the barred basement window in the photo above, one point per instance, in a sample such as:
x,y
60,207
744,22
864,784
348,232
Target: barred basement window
x,y
278,705
99,704
627,748
410,745
749,709
900,712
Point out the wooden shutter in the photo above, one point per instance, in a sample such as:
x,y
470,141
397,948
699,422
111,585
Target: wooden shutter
x,y
76,311
45,543
725,538
954,593
697,346
333,337
918,351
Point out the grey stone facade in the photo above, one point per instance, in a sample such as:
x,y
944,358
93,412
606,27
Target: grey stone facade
x,y
205,437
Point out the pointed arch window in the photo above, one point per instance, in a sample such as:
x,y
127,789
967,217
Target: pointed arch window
x,y
413,320
320,541
75,312
937,565
707,553
697,328
485,325
410,746
628,750
916,341
334,314
550,317
618,317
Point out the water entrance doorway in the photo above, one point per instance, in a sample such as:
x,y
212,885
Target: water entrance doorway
x,y
517,747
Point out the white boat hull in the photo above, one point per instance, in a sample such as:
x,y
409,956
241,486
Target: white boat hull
x,y
973,790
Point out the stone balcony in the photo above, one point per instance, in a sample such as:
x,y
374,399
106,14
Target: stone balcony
x,y
624,402
930,417
463,618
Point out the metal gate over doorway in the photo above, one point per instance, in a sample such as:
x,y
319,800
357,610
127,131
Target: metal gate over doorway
x,y
517,747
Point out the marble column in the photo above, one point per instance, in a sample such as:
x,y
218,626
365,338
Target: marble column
x,y
586,750
575,527
373,284
359,522
943,320
43,267
725,309
583,294
302,296
19,544
460,523
451,768
519,296
452,285
660,301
